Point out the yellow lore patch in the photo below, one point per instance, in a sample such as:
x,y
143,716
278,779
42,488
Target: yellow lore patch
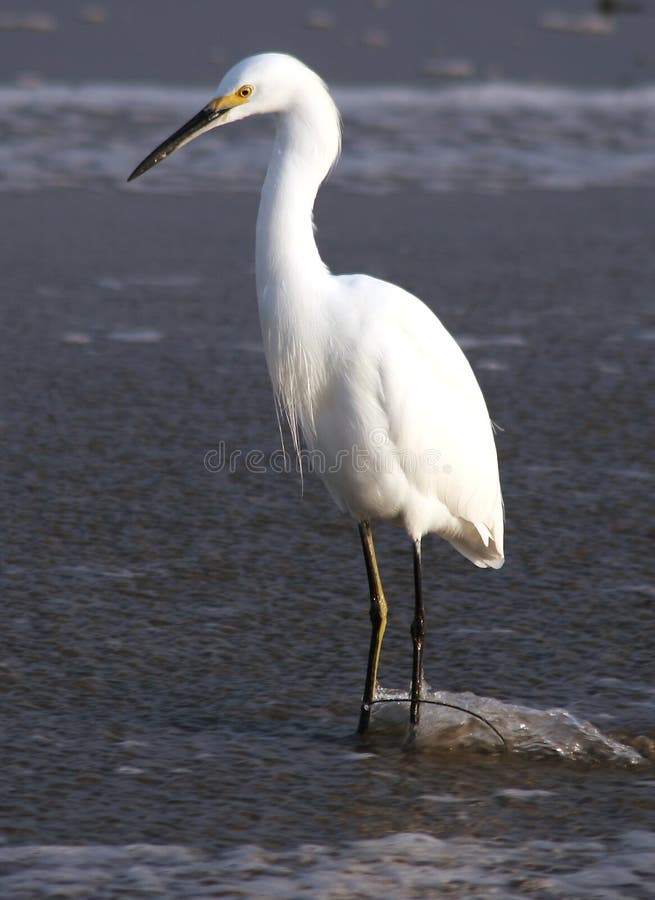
x,y
229,101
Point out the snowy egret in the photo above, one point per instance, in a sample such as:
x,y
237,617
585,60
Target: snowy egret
x,y
381,393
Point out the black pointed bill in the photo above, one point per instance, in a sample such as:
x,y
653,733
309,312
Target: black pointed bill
x,y
201,122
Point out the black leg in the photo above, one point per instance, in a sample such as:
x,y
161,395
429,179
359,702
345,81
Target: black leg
x,y
418,635
378,624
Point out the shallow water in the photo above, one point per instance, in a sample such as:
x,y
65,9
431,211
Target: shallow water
x,y
183,649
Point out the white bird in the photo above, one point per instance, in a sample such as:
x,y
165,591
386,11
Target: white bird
x,y
364,371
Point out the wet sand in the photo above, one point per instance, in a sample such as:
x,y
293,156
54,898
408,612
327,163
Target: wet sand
x,y
562,279
350,42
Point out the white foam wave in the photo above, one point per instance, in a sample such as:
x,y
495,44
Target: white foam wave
x,y
451,721
400,864
491,136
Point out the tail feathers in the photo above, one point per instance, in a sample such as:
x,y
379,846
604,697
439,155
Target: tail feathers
x,y
484,532
477,544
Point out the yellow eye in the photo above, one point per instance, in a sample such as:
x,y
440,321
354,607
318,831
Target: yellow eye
x,y
245,91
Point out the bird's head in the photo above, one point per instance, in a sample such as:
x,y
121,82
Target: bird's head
x,y
266,83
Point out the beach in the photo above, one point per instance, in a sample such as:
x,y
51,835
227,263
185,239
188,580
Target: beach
x,y
352,43
184,643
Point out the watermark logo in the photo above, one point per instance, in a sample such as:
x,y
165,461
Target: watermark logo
x,y
380,456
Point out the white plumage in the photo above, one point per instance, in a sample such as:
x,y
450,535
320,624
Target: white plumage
x,y
363,370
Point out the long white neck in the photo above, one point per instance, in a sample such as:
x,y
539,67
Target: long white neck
x,y
291,276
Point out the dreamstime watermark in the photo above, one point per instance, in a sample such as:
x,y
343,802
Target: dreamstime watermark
x,y
379,457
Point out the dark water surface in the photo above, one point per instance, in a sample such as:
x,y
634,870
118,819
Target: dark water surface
x,y
183,651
